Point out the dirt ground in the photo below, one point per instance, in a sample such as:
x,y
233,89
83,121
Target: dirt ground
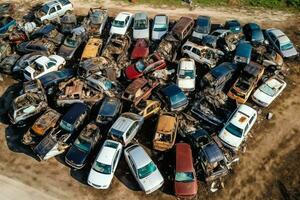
x,y
269,169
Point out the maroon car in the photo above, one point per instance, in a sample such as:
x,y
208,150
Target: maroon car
x,y
141,67
185,176
140,50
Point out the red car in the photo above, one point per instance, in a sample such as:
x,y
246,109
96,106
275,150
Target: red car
x,y
185,176
140,50
141,67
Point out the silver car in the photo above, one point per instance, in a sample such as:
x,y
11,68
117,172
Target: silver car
x,y
140,26
126,127
281,43
143,168
160,26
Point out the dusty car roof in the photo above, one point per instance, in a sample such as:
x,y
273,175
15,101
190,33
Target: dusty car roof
x,y
139,156
140,15
76,110
160,20
213,153
184,159
166,124
122,125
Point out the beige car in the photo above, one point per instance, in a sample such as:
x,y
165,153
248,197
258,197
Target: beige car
x,y
166,131
148,108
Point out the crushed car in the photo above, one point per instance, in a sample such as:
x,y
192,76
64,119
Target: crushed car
x,y
8,62
96,21
67,23
38,45
6,24
109,110
5,50
49,32
147,108
92,48
69,46
140,49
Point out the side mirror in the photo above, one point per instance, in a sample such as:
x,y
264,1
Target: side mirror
x,y
266,42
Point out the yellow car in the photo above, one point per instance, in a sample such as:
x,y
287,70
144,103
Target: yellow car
x,y
148,108
92,48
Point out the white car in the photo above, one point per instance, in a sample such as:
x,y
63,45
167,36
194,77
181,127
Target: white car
x,y
103,169
143,168
268,91
141,26
186,74
121,23
238,126
160,26
43,65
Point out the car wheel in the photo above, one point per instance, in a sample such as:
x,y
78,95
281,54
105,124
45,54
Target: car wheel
x,y
46,21
68,12
60,66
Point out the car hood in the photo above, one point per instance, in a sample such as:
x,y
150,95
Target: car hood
x,y
290,53
185,189
261,96
99,179
152,181
198,35
117,30
139,52
131,73
144,33
66,52
75,156
230,139
157,35
186,83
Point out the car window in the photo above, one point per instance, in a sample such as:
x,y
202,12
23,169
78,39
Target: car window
x,y
115,160
186,48
246,128
251,119
58,7
126,20
133,167
277,43
52,10
131,129
272,36
196,51
50,64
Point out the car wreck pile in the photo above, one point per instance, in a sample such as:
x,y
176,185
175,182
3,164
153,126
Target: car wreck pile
x,y
96,80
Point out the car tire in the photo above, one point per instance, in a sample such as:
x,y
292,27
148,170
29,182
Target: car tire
x,y
46,21
68,12
60,67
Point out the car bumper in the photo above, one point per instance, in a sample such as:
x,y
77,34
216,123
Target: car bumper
x,y
73,165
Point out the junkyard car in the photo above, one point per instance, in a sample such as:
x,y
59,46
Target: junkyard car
x,y
121,23
151,63
105,165
186,74
219,76
213,39
202,54
69,46
43,65
141,26
147,108
281,43
50,32
8,62
25,61
41,127
253,34
182,28
109,110
160,26
6,24
37,45
233,25
143,169
67,23
185,176
244,85
174,97
5,50
76,90
54,78
166,131
140,50
243,53
126,127
6,8
235,131
83,146
92,48
139,89
269,91
53,9
203,26
29,104
97,21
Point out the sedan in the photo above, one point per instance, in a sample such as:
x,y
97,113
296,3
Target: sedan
x,y
281,43
233,25
186,74
53,78
121,23
203,27
160,26
143,169
253,34
141,26
105,165
269,91
175,97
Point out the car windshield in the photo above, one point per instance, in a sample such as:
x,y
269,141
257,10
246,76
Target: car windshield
x,y
286,46
102,168
45,9
66,126
184,176
140,66
146,170
202,26
160,28
140,24
234,130
82,145
265,88
108,109
186,74
69,42
175,99
117,23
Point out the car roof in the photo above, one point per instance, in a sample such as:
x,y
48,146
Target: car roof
x,y
140,15
242,116
276,32
166,123
160,19
107,154
213,153
75,110
222,69
184,158
122,16
253,26
244,49
139,156
43,60
187,64
171,90
122,124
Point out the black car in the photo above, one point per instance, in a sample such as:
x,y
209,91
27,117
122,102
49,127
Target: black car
x,y
253,34
197,138
38,45
109,110
203,27
53,78
233,25
50,32
79,152
67,23
74,118
219,76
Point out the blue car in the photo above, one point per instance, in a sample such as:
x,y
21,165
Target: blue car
x,y
253,34
6,23
109,110
233,25
175,97
53,78
243,53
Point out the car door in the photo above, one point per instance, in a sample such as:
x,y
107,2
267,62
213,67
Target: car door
x,y
59,10
115,162
131,132
52,13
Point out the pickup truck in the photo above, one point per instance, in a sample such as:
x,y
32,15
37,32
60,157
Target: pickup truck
x,y
52,10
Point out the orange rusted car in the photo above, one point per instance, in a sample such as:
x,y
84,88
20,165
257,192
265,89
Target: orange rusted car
x,y
166,131
92,48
